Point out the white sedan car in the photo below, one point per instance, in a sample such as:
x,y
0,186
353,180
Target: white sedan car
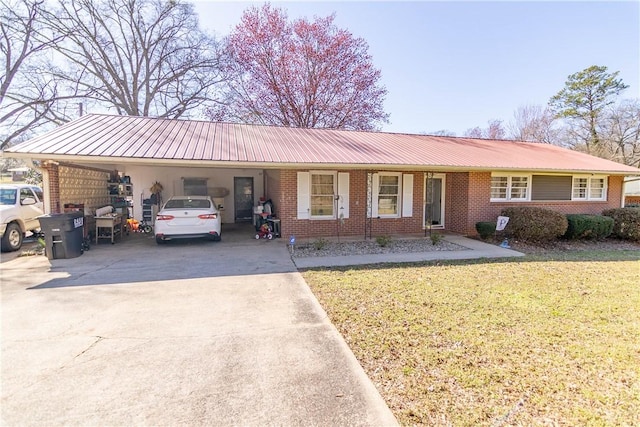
x,y
188,217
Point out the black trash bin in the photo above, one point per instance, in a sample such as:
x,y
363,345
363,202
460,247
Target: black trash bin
x,y
63,234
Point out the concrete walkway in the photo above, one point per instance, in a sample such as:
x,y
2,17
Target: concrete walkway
x,y
473,249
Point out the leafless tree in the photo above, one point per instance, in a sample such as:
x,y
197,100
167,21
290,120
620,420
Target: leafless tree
x,y
134,57
26,96
622,137
534,123
139,57
441,132
495,130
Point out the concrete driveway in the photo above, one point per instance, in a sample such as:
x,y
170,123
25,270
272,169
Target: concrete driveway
x,y
193,333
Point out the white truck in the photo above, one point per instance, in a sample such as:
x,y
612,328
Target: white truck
x,y
20,207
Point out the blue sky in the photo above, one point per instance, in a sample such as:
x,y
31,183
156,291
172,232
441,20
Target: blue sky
x,y
455,65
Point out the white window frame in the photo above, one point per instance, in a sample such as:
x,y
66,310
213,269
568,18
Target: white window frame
x,y
576,187
341,195
399,205
335,192
590,180
508,197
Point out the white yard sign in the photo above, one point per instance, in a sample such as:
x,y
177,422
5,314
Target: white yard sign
x,y
502,223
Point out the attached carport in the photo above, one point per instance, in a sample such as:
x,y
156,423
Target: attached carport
x,y
236,189
83,162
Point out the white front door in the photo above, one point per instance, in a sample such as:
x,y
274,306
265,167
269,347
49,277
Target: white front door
x,y
434,186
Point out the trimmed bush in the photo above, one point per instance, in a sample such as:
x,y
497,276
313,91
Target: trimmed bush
x,y
485,229
436,238
319,244
588,226
383,241
626,223
535,224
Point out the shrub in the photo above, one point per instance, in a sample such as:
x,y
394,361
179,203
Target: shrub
x,y
383,240
319,244
626,223
535,224
588,226
485,229
436,238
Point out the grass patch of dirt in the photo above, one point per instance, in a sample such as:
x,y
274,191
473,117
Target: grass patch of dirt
x,y
547,339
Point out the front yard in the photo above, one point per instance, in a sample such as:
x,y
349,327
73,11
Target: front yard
x,y
548,339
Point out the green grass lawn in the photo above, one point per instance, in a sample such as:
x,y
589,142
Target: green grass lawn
x,y
545,340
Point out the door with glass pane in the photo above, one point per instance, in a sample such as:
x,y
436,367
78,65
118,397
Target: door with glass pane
x,y
434,185
243,198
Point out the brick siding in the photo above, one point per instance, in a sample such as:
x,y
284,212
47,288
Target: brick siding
x,y
77,185
467,201
457,202
357,224
481,209
52,194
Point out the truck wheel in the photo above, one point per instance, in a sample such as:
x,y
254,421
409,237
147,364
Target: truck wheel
x,y
12,239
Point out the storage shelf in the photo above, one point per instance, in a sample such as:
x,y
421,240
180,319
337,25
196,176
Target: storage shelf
x,y
121,198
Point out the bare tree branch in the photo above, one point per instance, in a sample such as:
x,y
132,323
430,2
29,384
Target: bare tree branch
x,y
23,39
534,123
142,57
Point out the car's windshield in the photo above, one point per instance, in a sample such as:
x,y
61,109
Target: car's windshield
x,y
38,192
188,204
7,196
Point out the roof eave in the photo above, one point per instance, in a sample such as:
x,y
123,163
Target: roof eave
x,y
290,165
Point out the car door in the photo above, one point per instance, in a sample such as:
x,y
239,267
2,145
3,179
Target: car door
x,y
30,213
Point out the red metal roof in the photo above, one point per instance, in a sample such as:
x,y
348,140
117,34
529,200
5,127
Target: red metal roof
x,y
108,138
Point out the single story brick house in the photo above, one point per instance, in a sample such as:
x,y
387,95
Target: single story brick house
x,y
320,182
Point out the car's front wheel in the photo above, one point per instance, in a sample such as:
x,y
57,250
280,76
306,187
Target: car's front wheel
x,y
159,240
12,239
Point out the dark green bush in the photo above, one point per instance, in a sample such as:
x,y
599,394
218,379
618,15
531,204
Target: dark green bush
x,y
383,241
626,223
485,229
588,226
535,224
